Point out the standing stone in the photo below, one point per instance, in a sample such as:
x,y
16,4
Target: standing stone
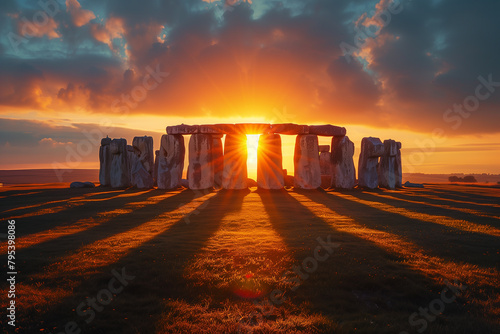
x,y
307,172
105,162
398,168
171,161
132,156
343,170
386,167
269,162
201,168
119,173
142,169
155,171
325,163
218,159
371,149
235,162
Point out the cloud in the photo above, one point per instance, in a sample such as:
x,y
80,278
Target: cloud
x,y
250,58
80,16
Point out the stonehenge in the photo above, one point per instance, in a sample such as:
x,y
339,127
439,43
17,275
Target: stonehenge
x,y
387,165
201,169
105,162
371,149
342,167
217,158
307,172
143,165
119,172
398,169
170,162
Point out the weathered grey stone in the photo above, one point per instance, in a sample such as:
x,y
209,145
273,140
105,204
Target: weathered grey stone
x,y
386,168
201,168
218,160
77,184
142,168
289,129
212,129
132,156
155,171
307,172
398,169
269,162
183,129
371,149
325,163
324,148
343,170
119,173
235,162
327,130
105,159
171,161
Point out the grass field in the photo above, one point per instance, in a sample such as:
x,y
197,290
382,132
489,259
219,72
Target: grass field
x,y
150,261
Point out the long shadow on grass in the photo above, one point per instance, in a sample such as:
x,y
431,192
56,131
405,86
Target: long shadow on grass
x,y
403,195
423,208
36,257
157,265
462,195
21,198
69,215
359,281
446,242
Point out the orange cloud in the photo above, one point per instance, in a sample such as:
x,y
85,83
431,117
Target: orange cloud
x,y
79,16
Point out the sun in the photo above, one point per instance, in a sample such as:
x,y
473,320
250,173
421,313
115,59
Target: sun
x,y
252,144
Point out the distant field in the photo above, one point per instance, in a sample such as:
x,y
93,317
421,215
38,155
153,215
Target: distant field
x,y
41,176
325,262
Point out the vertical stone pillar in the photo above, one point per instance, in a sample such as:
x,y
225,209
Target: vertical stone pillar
x,y
343,170
155,171
269,162
201,168
235,162
307,172
142,169
386,167
132,157
325,165
398,169
371,149
171,161
217,159
105,158
119,174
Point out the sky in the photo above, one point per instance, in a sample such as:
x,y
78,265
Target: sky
x,y
425,73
